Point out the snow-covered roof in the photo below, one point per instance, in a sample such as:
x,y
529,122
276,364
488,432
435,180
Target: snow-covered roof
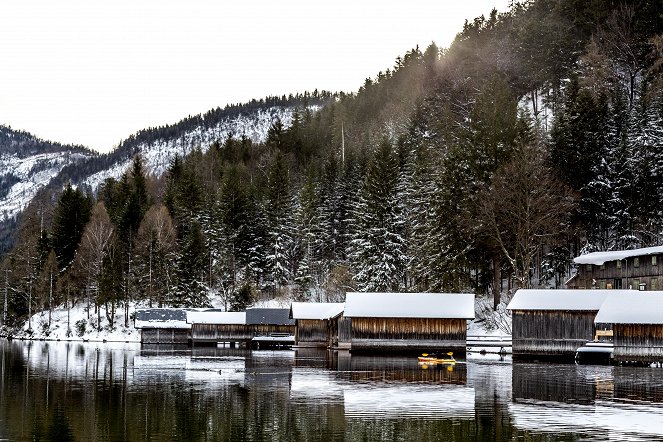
x,y
216,317
161,318
562,299
600,258
315,310
632,307
410,305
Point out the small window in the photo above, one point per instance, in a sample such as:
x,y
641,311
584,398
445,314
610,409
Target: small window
x,y
619,263
636,262
635,284
602,284
654,284
602,267
653,260
588,268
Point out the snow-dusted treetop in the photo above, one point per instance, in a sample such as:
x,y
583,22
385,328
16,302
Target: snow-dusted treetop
x,y
562,300
214,317
315,310
600,258
631,307
410,305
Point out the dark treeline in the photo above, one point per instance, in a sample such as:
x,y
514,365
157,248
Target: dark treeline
x,y
481,167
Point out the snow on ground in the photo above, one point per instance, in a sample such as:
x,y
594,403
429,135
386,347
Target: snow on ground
x,y
74,325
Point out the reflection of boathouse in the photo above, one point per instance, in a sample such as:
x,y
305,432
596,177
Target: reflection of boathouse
x,y
637,324
413,322
553,322
163,326
316,323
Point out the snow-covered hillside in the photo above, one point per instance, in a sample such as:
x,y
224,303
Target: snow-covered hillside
x,y
25,176
158,155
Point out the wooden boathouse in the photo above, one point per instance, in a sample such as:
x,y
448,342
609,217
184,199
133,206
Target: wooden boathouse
x,y
316,323
553,323
163,326
271,326
637,325
211,326
411,322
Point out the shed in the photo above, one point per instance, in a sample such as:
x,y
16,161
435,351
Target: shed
x,y
413,322
553,322
163,326
271,326
637,325
219,326
316,323
638,269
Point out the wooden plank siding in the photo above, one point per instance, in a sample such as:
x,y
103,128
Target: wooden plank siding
x,y
551,332
221,332
411,334
313,333
164,336
627,274
638,342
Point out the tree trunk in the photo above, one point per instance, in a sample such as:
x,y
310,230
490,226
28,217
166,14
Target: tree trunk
x,y
497,280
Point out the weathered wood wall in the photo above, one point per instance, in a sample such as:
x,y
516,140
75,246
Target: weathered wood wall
x,y
268,330
411,334
164,336
551,333
638,342
344,332
221,332
646,272
312,332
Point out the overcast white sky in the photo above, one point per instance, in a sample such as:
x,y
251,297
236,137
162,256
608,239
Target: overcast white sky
x,y
92,73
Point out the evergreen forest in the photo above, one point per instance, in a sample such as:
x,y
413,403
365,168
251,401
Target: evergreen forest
x,y
483,167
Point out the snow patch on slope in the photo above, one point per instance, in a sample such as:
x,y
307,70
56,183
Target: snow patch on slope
x,y
158,155
32,174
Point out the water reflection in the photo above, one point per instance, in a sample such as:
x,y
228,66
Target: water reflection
x,y
86,391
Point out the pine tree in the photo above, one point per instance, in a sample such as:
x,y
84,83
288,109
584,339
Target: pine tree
x,y
71,215
378,246
191,290
279,211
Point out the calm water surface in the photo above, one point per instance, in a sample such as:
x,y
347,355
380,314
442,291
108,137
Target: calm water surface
x,y
88,391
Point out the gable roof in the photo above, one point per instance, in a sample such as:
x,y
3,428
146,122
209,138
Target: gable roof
x,y
560,299
316,310
632,307
161,318
600,258
216,317
269,316
410,305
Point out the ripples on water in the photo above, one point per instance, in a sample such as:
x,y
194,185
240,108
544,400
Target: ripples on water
x,y
87,391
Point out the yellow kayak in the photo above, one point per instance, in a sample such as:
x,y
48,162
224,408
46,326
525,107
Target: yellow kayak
x,y
432,359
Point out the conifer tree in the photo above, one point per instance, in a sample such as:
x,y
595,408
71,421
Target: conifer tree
x,y
71,215
378,246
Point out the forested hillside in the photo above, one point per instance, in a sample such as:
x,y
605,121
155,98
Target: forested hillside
x,y
486,166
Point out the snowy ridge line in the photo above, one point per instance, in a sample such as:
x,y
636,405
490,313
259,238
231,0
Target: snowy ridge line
x,y
158,155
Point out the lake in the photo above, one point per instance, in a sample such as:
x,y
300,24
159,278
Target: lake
x,y
111,391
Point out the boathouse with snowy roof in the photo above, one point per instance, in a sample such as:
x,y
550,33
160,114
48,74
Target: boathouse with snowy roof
x,y
554,323
214,326
316,323
412,322
637,324
637,269
163,326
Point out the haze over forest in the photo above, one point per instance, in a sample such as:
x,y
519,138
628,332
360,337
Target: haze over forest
x,y
535,137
